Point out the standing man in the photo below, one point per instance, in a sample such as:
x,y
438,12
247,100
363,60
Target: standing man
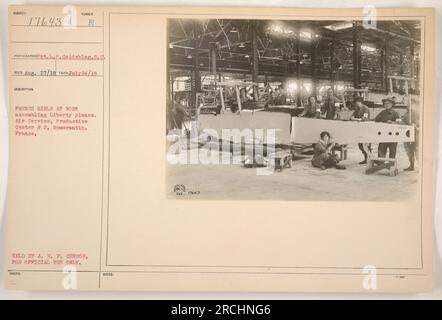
x,y
331,105
361,113
178,115
388,115
269,99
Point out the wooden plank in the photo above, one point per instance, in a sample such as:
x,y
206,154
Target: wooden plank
x,y
308,130
248,120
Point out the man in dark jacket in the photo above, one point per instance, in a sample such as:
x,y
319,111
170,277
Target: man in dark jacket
x,y
388,115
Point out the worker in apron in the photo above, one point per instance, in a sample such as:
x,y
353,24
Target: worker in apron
x,y
388,115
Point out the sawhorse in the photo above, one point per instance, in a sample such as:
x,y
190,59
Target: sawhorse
x,y
282,159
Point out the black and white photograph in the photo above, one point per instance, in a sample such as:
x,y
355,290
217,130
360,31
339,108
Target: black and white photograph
x,y
296,110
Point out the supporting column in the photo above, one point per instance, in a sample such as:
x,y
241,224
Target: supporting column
x,y
401,63
255,56
408,101
196,65
168,86
387,67
298,70
313,65
412,66
213,59
169,96
359,64
413,84
171,81
382,51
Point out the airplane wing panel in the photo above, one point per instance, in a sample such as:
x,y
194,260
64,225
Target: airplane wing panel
x,y
308,130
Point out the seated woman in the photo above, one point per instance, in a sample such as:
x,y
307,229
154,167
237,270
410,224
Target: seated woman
x,y
322,156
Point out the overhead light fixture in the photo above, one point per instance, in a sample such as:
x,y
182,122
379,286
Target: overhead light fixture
x,y
170,46
241,45
288,32
275,28
247,56
339,26
189,56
